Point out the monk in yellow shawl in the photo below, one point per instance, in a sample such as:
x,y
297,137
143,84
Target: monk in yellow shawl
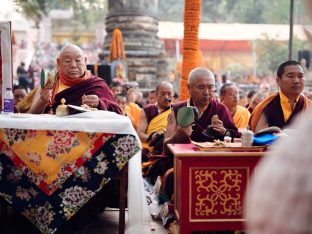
x,y
153,117
133,109
229,96
282,107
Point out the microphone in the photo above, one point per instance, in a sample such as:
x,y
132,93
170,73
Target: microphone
x,y
167,100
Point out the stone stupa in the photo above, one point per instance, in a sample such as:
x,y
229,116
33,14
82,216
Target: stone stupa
x,y
138,22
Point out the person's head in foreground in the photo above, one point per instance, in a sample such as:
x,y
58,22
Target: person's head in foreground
x,y
279,199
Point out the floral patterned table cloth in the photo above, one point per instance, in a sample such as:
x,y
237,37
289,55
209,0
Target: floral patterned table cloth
x,y
48,175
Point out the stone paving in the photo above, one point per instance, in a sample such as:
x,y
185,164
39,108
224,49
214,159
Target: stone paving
x,y
106,222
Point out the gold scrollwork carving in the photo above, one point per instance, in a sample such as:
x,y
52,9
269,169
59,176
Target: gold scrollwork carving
x,y
218,188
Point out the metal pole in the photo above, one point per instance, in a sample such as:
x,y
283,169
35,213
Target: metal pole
x,y
291,29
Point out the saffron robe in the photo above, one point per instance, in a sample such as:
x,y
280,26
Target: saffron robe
x,y
157,122
134,111
214,108
241,117
272,109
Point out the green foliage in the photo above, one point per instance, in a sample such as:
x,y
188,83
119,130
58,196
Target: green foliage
x,y
234,11
171,10
270,53
249,11
86,12
33,9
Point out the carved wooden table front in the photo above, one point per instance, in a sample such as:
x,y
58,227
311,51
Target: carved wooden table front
x,y
210,186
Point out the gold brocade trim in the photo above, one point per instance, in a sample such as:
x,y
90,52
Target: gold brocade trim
x,y
217,191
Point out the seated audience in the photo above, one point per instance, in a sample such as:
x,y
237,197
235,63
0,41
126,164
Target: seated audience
x,y
19,93
255,100
116,88
133,108
122,101
250,95
151,98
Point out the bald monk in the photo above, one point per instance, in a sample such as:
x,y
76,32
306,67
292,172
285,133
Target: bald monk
x,y
153,117
229,96
74,83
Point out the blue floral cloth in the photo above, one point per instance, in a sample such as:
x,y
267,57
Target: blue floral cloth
x,y
48,213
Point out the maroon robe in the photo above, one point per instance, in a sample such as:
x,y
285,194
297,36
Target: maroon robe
x,y
152,111
214,108
92,86
274,112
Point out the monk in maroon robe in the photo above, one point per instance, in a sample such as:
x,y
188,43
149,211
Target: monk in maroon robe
x,y
201,85
153,120
281,108
75,84
92,86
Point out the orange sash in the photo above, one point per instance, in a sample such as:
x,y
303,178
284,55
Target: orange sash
x,y
257,112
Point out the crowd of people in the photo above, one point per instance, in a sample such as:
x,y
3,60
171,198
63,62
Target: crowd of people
x,y
228,112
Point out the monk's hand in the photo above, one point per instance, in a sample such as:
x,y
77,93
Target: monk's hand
x,y
217,125
185,131
154,136
46,94
90,100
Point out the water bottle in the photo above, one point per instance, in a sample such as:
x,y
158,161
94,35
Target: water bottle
x,y
8,102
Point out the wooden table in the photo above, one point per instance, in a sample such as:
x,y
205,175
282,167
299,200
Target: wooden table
x,y
209,187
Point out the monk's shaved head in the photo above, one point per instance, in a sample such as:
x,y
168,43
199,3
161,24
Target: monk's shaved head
x,y
200,72
164,84
71,48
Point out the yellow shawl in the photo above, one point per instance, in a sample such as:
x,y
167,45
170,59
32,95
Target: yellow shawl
x,y
157,124
257,112
241,117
